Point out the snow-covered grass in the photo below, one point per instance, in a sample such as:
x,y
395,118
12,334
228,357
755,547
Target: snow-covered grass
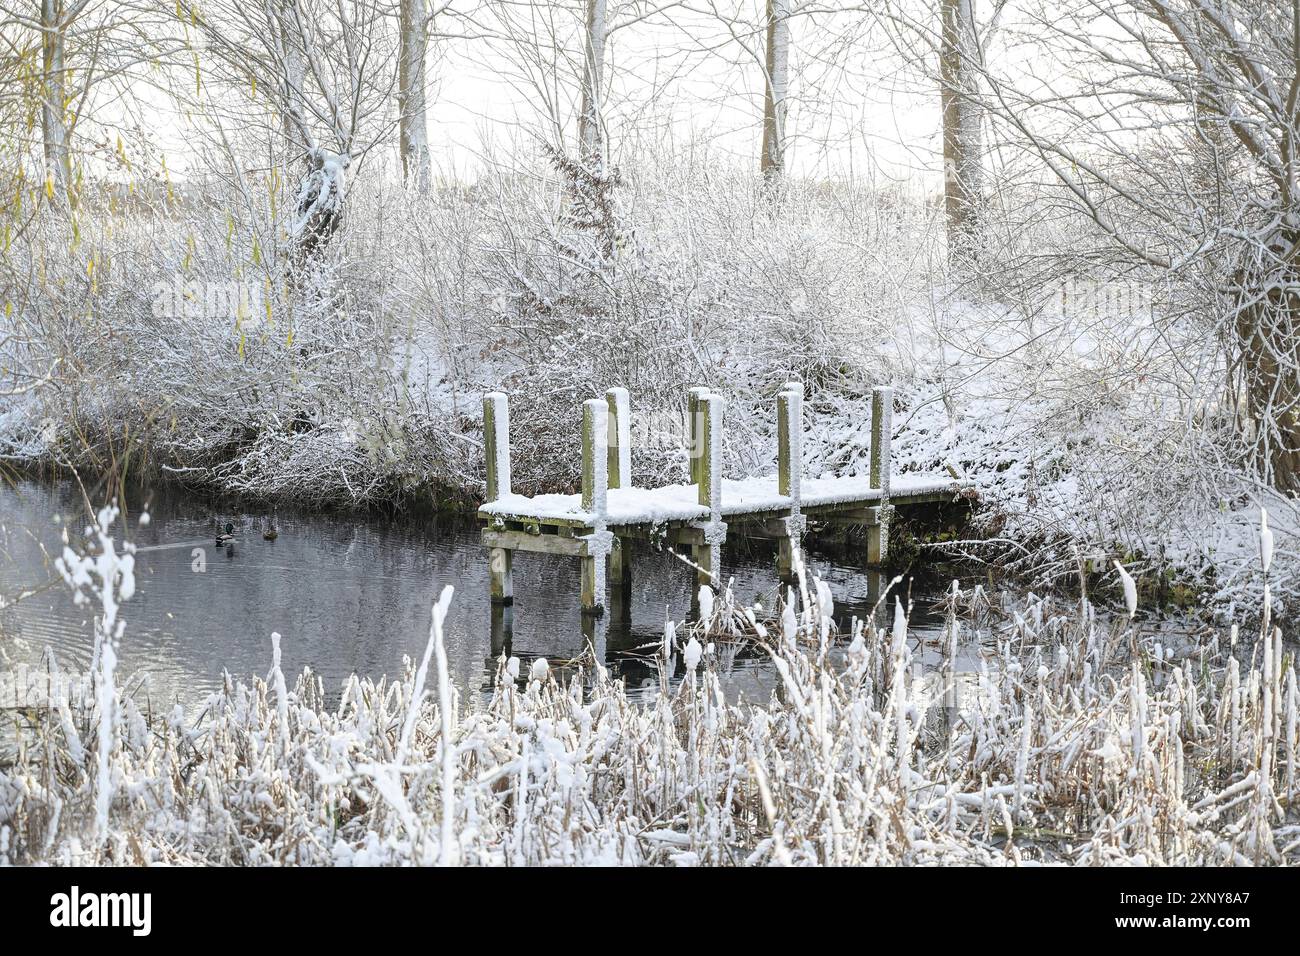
x,y
1073,742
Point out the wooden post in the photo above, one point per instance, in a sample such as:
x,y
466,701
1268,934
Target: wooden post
x,y
502,585
496,444
882,413
592,602
694,449
709,416
496,452
595,486
620,580
783,401
595,460
876,539
620,438
882,427
707,555
789,462
785,559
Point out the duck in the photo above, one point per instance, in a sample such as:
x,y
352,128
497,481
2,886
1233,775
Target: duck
x,y
269,531
227,536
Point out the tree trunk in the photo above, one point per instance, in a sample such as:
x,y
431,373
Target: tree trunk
x,y
590,134
962,169
295,72
55,134
1268,334
411,97
777,79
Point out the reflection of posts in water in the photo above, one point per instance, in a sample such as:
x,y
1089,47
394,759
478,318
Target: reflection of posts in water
x,y
877,581
948,681
503,626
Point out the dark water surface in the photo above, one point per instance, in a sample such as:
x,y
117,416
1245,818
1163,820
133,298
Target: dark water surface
x,y
348,594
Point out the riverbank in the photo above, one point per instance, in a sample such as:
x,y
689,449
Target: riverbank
x,y
1059,495
1088,434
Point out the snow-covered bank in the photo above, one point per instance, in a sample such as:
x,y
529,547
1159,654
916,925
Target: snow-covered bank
x,y
1072,742
1090,436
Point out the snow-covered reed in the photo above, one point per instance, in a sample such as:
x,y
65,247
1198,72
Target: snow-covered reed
x,y
1072,742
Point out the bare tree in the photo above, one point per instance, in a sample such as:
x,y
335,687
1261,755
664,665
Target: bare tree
x,y
55,21
591,134
328,68
81,45
776,82
1171,126
413,130
962,156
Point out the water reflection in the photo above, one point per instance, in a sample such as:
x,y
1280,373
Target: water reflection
x,y
349,595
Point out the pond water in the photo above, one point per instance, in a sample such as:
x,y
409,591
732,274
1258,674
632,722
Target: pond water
x,y
349,594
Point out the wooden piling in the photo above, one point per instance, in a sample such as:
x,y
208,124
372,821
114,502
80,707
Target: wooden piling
x,y
882,414
501,579
496,444
694,449
708,415
783,460
496,452
877,538
620,438
595,460
592,600
707,555
595,487
785,559
882,427
789,464
620,580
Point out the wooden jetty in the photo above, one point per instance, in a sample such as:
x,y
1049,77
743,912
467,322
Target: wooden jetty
x,y
594,525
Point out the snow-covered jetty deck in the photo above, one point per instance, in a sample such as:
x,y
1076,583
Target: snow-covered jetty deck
x,y
595,524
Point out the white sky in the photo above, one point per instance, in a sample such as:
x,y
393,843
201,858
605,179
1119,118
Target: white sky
x,y
684,83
